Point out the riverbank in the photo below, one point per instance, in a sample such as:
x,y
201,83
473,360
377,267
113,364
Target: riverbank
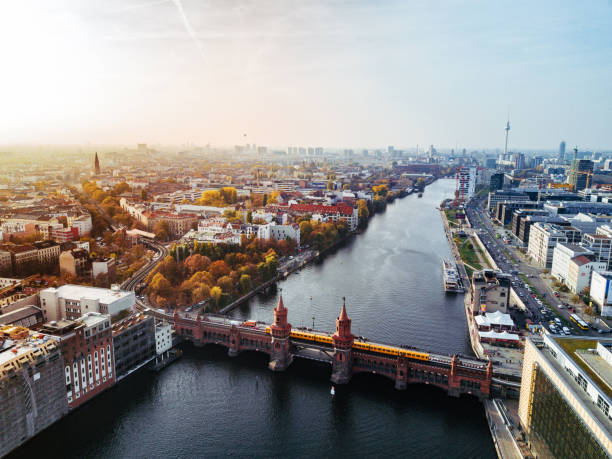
x,y
291,268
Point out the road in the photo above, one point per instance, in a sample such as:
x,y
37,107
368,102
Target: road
x,y
536,310
139,275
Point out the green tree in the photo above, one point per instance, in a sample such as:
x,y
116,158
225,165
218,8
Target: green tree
x,y
245,283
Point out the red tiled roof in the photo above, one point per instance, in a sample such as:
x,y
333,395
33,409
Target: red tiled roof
x,y
318,208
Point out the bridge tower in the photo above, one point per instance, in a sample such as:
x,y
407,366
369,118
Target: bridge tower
x,y
342,366
280,355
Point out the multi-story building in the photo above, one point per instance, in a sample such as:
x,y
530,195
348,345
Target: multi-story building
x,y
466,182
564,405
178,224
562,254
48,253
6,264
24,259
505,209
163,337
279,232
75,262
73,301
601,246
497,181
490,291
87,350
519,216
335,213
580,174
32,385
103,267
580,270
543,237
501,196
82,223
134,343
601,291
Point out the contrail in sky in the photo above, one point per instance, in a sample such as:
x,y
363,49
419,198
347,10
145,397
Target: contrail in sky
x,y
190,30
140,5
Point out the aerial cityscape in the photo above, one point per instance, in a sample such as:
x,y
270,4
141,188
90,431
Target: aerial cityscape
x,y
278,229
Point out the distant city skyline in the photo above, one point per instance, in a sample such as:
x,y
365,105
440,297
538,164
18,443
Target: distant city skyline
x,y
333,74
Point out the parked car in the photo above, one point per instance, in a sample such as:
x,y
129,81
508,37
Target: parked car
x,y
567,331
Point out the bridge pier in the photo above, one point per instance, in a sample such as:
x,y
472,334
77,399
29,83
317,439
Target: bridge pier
x,y
234,342
401,374
342,368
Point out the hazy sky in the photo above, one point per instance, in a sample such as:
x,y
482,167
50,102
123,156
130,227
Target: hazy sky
x,y
327,73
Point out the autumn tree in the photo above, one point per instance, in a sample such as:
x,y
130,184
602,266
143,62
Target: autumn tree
x,y
160,285
162,230
219,268
196,262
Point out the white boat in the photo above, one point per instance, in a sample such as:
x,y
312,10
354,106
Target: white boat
x,y
452,282
332,391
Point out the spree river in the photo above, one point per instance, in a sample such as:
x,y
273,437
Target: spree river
x,y
208,405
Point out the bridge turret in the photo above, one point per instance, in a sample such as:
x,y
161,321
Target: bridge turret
x,y
343,338
280,355
342,366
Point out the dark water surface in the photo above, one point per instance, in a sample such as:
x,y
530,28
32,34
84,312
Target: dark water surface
x,y
208,405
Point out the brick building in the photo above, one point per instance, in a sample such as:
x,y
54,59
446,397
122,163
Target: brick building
x,y
87,350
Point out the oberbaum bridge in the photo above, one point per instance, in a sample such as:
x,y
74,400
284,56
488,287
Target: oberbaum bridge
x,y
347,354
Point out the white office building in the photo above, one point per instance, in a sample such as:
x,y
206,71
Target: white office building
x,y
73,301
562,255
601,291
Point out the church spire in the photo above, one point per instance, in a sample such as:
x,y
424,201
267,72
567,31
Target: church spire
x,y
97,164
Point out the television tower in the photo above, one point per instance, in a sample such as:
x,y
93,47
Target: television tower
x,y
507,129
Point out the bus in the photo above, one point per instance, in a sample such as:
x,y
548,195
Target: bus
x,y
579,322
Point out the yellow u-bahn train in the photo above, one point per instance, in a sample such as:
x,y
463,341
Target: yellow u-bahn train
x,y
360,345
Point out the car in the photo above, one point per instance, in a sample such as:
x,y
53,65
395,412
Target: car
x,y
558,321
560,306
567,331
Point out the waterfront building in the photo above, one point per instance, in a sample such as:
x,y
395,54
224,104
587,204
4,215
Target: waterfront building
x,y
335,213
87,350
490,291
466,177
32,385
73,301
163,337
279,232
564,405
133,343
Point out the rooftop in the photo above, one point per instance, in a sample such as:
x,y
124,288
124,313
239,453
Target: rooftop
x,y
571,346
104,295
15,352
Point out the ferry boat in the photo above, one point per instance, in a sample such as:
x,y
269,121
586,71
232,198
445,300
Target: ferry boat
x,y
452,283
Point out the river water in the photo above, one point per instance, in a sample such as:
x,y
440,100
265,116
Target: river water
x,y
207,404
